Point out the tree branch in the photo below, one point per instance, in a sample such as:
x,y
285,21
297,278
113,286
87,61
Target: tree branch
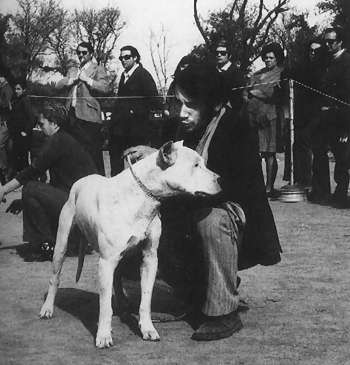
x,y
199,26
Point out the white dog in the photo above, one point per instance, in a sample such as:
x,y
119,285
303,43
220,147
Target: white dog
x,y
117,213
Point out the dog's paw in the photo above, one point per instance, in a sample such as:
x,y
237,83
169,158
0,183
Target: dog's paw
x,y
104,340
149,333
46,311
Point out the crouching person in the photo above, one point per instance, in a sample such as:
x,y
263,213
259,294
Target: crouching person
x,y
66,161
205,241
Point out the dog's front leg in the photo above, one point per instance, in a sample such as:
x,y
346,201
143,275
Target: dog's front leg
x,y
104,331
148,275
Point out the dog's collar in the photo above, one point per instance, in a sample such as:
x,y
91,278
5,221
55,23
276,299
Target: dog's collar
x,y
143,187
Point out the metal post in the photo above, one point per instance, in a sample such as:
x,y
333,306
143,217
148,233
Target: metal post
x,y
291,128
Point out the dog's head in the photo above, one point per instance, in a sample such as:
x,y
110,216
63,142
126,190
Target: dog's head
x,y
184,171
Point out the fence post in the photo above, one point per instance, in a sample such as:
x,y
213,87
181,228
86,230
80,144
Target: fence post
x,y
291,128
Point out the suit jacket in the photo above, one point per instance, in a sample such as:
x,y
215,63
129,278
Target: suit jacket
x,y
336,82
87,107
233,78
131,116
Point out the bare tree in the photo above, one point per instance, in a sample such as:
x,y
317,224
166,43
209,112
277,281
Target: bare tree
x,y
244,24
5,69
60,43
159,50
32,27
101,28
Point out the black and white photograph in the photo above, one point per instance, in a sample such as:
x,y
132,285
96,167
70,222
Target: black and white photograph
x,y
174,182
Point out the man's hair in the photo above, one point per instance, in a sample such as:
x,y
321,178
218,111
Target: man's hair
x,y
55,113
86,45
337,30
134,52
21,82
201,83
222,43
276,49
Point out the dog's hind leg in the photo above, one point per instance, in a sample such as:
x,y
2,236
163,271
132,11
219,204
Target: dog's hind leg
x,y
148,275
105,274
64,227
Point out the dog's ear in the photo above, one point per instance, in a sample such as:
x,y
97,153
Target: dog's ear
x,y
167,155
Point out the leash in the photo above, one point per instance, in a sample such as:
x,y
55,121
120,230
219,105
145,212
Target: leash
x,y
143,187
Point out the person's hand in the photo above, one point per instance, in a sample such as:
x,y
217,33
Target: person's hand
x,y
15,207
138,152
83,77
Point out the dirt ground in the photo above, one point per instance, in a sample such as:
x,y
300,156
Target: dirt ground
x,y
299,309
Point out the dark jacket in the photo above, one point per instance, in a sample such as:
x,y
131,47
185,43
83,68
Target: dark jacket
x,y
234,155
131,115
232,78
22,117
65,159
336,83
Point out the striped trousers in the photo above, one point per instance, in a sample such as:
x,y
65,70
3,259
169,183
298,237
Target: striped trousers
x,y
198,254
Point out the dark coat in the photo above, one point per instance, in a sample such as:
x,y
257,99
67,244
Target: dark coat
x,y
233,78
22,117
66,160
234,155
131,116
336,83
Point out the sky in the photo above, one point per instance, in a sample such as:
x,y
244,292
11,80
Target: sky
x,y
176,15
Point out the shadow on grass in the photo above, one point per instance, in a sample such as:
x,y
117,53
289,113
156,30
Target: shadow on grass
x,y
81,304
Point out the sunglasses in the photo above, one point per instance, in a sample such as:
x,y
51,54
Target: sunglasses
x,y
126,57
84,53
330,41
221,53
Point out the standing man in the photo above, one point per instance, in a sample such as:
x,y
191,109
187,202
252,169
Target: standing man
x,y
86,82
336,83
130,124
232,77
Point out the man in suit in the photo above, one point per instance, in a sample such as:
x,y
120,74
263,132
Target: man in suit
x,y
130,124
84,83
336,114
232,78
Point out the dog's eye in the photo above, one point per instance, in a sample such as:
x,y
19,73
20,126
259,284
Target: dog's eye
x,y
196,164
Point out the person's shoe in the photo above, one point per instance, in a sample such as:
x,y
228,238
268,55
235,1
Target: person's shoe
x,y
273,194
47,251
216,328
317,198
340,202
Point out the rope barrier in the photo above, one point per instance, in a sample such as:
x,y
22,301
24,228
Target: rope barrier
x,y
322,93
173,96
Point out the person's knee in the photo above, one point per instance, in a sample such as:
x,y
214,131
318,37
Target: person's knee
x,y
216,224
30,189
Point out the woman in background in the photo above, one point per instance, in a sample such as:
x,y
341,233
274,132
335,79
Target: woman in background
x,y
264,109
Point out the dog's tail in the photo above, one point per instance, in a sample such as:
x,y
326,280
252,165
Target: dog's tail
x,y
81,257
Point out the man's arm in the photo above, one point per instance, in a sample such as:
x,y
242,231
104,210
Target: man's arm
x,y
8,187
68,80
98,82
